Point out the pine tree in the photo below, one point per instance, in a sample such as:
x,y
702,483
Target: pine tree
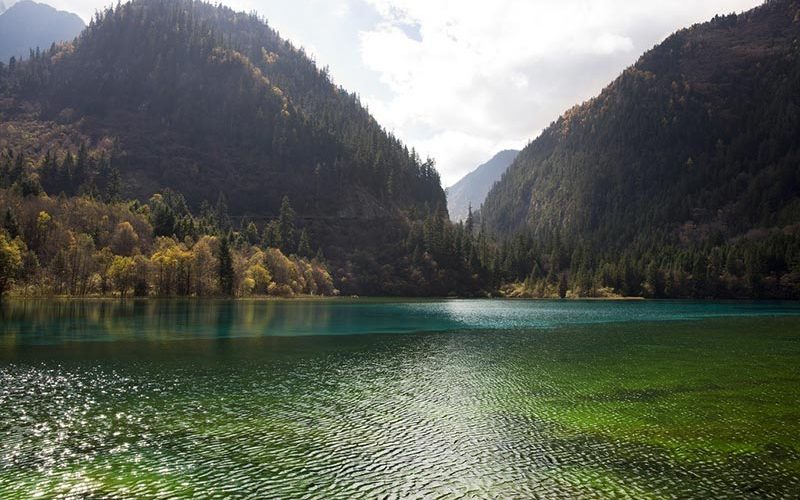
x,y
272,236
469,225
226,273
11,224
251,233
114,186
304,247
221,212
563,285
286,224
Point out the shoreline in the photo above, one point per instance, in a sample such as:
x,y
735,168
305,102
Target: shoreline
x,y
328,298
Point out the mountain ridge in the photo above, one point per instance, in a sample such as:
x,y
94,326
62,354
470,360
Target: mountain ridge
x,y
27,25
471,190
280,122
212,111
675,165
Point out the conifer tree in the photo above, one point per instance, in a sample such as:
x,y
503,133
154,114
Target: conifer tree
x,y
226,272
286,226
304,247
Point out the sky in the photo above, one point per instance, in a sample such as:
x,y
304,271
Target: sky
x,y
461,80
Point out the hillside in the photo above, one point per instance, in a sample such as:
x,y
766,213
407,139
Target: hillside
x,y
27,25
681,178
214,111
205,101
472,189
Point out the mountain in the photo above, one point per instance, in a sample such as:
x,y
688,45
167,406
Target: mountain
x,y
27,25
204,100
681,177
472,189
213,109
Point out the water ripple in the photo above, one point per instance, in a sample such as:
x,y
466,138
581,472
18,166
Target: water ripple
x,y
587,412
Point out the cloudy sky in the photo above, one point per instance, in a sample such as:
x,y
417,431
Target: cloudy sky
x,y
462,79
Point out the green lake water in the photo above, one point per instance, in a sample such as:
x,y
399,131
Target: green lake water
x,y
352,399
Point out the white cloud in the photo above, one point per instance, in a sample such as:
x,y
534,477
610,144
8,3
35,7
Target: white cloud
x,y
484,76
341,8
608,44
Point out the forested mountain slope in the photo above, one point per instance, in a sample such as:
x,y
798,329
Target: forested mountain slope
x,y
27,25
205,101
225,122
212,125
687,165
472,189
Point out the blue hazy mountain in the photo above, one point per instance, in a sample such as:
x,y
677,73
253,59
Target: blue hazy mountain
x,y
473,188
27,25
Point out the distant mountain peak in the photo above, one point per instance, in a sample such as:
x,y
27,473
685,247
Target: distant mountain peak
x,y
472,189
27,25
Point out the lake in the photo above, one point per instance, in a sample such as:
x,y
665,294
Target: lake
x,y
374,398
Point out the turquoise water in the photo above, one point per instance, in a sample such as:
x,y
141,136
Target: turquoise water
x,y
348,399
49,322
